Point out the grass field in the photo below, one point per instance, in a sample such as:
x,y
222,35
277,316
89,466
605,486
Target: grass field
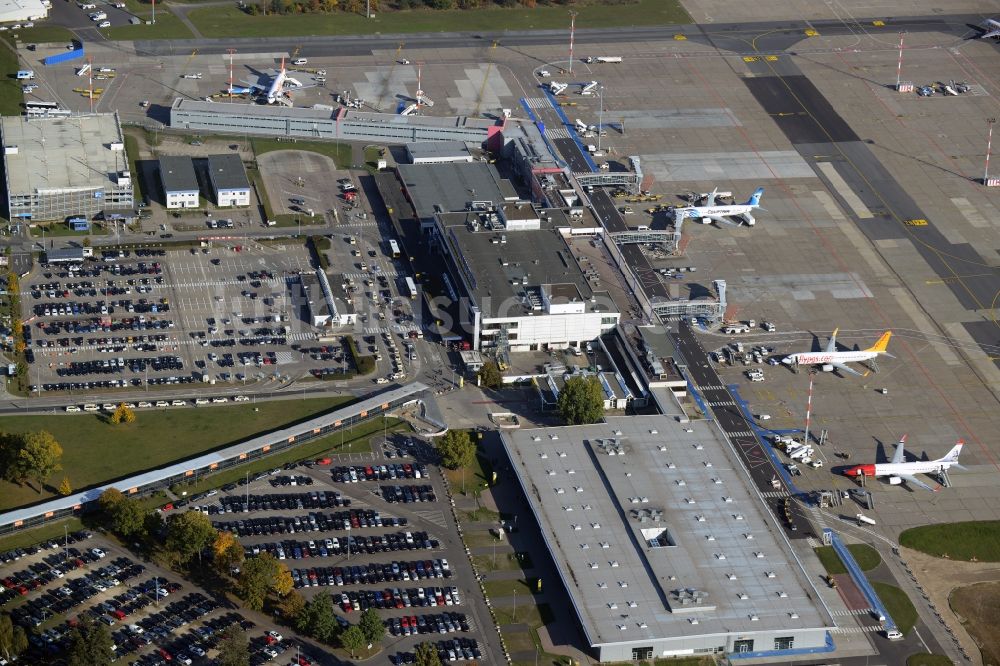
x,y
898,604
506,588
229,21
43,34
975,541
167,26
95,452
924,659
866,557
340,153
979,607
11,95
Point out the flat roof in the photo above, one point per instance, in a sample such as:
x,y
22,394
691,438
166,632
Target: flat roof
x,y
452,186
345,115
424,150
62,153
652,527
503,273
177,173
227,172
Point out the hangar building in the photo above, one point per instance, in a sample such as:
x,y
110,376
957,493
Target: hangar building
x,y
661,545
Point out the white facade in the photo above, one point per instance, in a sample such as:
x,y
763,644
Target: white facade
x,y
187,199
542,331
228,198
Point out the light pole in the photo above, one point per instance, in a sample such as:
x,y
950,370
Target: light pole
x,y
572,32
600,120
986,171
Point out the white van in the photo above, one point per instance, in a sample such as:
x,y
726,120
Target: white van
x,y
300,61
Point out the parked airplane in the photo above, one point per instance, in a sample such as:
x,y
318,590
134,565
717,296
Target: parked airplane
x,y
991,29
898,470
713,213
280,84
830,358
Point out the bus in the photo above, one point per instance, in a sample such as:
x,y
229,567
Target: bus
x,y
412,286
37,108
393,249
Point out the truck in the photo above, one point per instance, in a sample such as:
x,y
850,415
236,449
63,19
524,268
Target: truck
x,y
603,59
82,71
864,520
25,75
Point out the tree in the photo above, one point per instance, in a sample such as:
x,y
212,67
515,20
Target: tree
x,y
13,640
489,375
283,582
90,645
86,241
38,457
581,400
65,488
353,639
227,551
257,578
456,449
426,655
189,533
292,606
109,499
317,618
371,626
123,414
125,516
234,648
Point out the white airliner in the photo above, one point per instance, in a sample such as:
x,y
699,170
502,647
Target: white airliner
x,y
713,213
830,358
992,28
280,84
898,470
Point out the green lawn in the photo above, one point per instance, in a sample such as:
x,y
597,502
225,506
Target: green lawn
x,y
39,534
355,440
506,588
11,95
95,452
969,541
62,229
167,26
340,153
900,607
478,538
43,34
229,21
132,150
924,659
866,557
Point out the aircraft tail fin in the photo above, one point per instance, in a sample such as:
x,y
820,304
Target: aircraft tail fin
x,y
882,343
754,199
952,456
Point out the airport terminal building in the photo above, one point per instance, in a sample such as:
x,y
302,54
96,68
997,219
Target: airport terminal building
x,y
662,547
57,167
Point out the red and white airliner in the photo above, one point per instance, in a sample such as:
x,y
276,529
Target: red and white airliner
x,y
899,471
830,358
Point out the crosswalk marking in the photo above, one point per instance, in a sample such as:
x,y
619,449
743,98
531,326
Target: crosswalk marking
x,y
712,388
848,612
536,102
740,433
872,628
558,133
721,403
772,494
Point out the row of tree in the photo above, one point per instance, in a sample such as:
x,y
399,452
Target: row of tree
x,y
374,6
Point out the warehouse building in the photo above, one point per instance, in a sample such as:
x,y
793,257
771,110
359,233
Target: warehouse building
x,y
58,167
179,182
23,10
661,545
438,152
516,282
328,305
324,123
452,187
228,180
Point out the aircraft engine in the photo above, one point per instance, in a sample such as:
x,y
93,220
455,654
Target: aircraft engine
x,y
827,367
895,481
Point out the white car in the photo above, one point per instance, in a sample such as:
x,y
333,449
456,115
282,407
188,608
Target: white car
x,y
220,399
104,24
145,404
98,553
201,401
276,636
241,398
162,403
178,403
72,408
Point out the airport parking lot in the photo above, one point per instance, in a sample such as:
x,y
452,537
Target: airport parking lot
x,y
154,617
374,535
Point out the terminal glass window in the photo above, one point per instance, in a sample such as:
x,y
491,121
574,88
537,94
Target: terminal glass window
x,y
743,646
784,643
642,653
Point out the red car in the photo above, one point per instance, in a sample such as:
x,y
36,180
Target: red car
x,y
166,655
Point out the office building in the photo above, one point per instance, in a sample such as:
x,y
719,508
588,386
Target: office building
x,y
179,182
228,179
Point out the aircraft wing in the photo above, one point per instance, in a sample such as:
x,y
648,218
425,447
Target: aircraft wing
x,y
844,368
990,33
831,346
900,453
916,482
295,84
